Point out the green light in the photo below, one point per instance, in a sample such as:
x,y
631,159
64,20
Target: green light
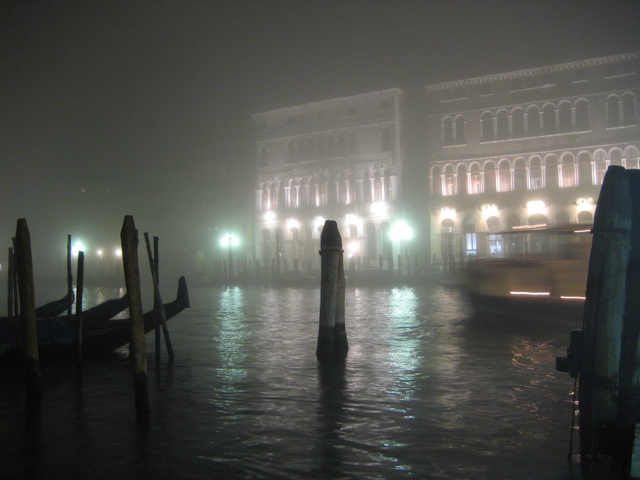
x,y
400,231
230,240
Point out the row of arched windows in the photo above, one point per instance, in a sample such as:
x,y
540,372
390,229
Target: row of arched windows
x,y
533,173
332,145
532,121
323,190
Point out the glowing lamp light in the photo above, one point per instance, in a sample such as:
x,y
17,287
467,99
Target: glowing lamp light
x,y
353,248
536,206
448,213
77,248
269,216
401,231
118,252
230,240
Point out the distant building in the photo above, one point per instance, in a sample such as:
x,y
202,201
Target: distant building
x,y
526,148
338,159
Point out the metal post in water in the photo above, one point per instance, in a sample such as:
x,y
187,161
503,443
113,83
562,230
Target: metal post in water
x,y
129,239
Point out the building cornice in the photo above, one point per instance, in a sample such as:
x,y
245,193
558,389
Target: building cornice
x,y
332,103
533,71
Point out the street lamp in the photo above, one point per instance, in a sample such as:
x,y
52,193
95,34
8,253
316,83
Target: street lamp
x,y
230,240
399,232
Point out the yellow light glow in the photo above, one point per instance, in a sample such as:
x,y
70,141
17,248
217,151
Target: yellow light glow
x,y
448,213
536,206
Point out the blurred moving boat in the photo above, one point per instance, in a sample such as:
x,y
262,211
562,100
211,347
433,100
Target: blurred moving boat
x,y
100,331
550,281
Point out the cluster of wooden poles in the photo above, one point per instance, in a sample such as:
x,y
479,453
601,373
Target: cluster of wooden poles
x,y
21,268
607,351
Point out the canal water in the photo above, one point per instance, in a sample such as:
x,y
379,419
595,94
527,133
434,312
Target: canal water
x,y
430,390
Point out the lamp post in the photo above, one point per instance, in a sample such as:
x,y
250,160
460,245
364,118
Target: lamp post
x,y
399,232
229,241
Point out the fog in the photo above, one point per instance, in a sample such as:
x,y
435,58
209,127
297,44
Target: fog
x,y
114,108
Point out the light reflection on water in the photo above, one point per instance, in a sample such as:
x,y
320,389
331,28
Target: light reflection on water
x,y
427,391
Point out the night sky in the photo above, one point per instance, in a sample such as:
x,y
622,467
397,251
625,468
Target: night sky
x,y
113,107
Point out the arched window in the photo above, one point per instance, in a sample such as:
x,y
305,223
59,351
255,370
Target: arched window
x,y
582,116
343,197
436,182
352,188
613,111
549,119
291,152
385,139
628,109
342,145
568,171
331,146
302,149
461,134
353,143
551,172
447,131
489,178
585,176
535,174
366,187
520,175
585,217
264,197
470,237
332,187
615,157
377,188
263,156
505,176
387,186
311,149
321,147
601,166
303,194
533,121
449,181
502,125
323,190
517,123
476,179
281,202
631,155
486,124
371,251
462,179
565,121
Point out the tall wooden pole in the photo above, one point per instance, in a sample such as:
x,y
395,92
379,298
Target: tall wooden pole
x,y
129,239
26,290
80,291
10,277
604,310
69,275
340,345
331,254
158,306
629,403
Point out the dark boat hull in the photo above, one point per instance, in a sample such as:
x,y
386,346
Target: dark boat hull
x,y
100,332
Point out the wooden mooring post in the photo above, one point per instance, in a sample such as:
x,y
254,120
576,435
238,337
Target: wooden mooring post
x,y
158,306
332,337
80,292
26,291
604,312
129,239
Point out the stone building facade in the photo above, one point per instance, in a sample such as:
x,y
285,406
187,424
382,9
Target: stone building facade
x,y
338,159
523,149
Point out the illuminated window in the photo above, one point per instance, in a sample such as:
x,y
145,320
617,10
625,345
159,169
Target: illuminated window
x,y
631,155
520,175
505,176
535,174
449,183
585,176
476,179
601,166
462,179
568,171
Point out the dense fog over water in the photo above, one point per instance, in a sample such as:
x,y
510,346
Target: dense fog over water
x,y
114,108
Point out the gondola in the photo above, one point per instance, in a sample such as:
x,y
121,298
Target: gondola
x,y
100,332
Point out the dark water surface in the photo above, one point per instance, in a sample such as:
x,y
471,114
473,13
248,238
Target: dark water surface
x,y
429,391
